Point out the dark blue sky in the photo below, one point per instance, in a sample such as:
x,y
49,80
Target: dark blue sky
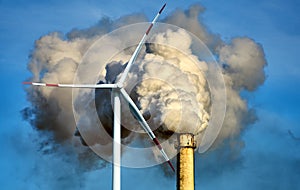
x,y
271,157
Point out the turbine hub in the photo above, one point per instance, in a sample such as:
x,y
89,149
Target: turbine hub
x,y
119,85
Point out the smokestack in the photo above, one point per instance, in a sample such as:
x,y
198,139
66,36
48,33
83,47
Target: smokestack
x,y
185,162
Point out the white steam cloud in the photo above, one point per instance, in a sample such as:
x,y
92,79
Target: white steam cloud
x,y
178,101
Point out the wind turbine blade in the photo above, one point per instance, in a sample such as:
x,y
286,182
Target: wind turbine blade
x,y
144,124
117,142
138,48
72,85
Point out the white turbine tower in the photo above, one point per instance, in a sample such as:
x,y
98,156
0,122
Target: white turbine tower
x,y
118,91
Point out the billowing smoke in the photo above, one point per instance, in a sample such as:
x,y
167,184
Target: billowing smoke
x,y
181,104
179,101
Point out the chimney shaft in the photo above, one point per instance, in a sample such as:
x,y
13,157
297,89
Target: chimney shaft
x,y
185,162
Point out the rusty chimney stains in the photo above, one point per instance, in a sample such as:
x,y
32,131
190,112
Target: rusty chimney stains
x,y
185,162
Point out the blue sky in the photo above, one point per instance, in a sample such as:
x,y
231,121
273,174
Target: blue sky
x,y
271,155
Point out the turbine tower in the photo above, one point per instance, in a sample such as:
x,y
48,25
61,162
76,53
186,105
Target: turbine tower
x,y
118,91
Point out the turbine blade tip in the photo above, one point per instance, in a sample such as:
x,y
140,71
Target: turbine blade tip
x,y
171,165
162,8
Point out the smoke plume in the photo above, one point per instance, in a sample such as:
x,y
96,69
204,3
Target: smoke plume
x,y
169,89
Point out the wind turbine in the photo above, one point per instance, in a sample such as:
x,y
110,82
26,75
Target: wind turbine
x,y
118,91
